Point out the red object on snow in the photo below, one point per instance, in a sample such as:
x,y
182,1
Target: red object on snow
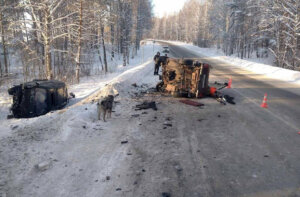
x,y
299,132
193,103
229,83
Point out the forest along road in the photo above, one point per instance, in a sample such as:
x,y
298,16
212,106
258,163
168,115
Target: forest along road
x,y
177,150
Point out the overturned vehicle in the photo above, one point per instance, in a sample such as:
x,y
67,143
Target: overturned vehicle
x,y
185,78
37,98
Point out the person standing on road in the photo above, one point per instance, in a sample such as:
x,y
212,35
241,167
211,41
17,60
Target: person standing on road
x,y
156,60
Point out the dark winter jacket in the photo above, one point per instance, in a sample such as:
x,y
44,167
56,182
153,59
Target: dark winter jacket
x,y
156,59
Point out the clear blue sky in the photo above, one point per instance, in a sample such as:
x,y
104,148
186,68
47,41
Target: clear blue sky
x,y
162,7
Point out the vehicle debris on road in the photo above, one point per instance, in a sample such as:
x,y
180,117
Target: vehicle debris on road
x,y
146,105
124,142
223,99
193,103
166,194
189,78
43,166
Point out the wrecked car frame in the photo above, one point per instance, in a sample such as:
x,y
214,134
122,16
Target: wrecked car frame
x,y
185,78
37,97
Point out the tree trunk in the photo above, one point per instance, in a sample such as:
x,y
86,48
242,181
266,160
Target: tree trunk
x,y
124,58
104,49
112,35
100,59
78,57
0,69
47,50
4,45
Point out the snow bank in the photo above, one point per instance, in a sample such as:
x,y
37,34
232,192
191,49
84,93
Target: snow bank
x,y
259,66
133,73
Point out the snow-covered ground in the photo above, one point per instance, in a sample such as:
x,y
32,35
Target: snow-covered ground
x,y
89,84
263,66
42,139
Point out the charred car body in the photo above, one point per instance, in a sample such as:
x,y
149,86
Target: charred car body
x,y
185,78
37,98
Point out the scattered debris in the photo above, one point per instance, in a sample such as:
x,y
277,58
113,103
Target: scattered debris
x,y
72,94
266,155
143,170
193,103
107,178
168,119
124,142
168,124
84,126
222,85
146,105
229,99
43,166
165,194
118,189
178,168
223,99
14,127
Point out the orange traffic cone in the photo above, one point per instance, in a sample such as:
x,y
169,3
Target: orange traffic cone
x,y
264,103
229,83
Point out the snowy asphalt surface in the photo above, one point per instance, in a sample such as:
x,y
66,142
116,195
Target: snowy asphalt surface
x,y
177,151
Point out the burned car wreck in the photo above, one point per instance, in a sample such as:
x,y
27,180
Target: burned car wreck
x,y
190,78
37,97
184,78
